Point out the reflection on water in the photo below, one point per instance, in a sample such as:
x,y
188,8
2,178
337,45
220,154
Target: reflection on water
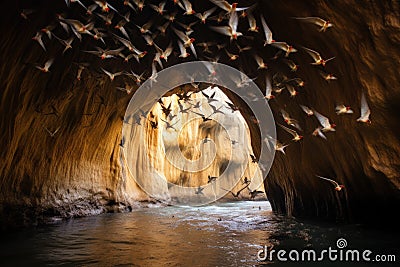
x,y
224,234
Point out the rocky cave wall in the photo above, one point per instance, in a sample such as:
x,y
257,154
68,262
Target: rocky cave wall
x,y
78,171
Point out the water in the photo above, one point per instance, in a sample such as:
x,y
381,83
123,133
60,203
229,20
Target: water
x,y
224,234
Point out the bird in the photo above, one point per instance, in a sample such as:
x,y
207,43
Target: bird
x,y
293,66
267,32
231,29
46,66
211,179
323,24
291,90
280,147
216,110
246,181
105,7
166,110
307,110
260,62
38,38
296,136
327,76
187,7
237,194
318,132
325,123
26,12
204,118
342,109
52,134
160,8
170,125
253,158
128,88
112,75
252,23
182,49
365,111
284,47
254,193
290,121
338,187
229,8
203,16
66,43
199,190
318,60
186,40
210,98
268,89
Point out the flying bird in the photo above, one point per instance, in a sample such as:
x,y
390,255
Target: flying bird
x,y
323,24
365,111
318,60
284,47
338,187
342,109
46,66
307,110
325,123
267,32
296,136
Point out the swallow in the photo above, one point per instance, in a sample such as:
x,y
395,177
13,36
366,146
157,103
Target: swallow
x,y
66,43
237,194
338,187
52,134
260,62
186,40
253,158
164,54
342,109
105,53
318,60
296,136
160,8
327,76
268,89
38,38
48,30
232,57
105,7
267,32
199,190
140,4
106,18
280,147
246,181
26,12
365,111
204,118
187,7
318,132
46,66
210,98
293,67
323,24
81,67
166,110
307,110
289,120
284,47
292,90
254,193
211,179
228,7
252,23
230,30
169,125
128,88
182,109
112,75
325,123
204,16
68,2
232,106
183,51
216,110
120,26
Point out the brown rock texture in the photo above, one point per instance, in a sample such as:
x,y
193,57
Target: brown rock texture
x,y
78,171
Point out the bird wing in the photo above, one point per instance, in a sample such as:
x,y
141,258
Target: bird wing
x,y
267,31
365,111
324,121
292,132
306,109
330,180
314,54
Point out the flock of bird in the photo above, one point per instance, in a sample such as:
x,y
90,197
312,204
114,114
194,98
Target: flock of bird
x,y
150,36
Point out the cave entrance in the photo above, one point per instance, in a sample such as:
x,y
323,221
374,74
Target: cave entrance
x,y
194,147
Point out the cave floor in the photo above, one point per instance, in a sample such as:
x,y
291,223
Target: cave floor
x,y
222,234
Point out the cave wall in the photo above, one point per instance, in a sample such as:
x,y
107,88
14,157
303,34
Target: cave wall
x,y
78,171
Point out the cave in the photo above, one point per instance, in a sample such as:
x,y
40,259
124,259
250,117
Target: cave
x,y
92,121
